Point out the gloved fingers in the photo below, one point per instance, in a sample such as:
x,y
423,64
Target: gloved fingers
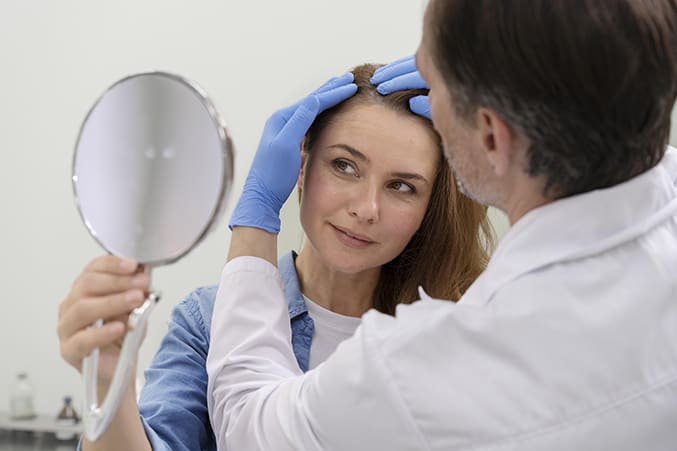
x,y
302,118
403,59
278,119
395,69
329,98
296,127
411,80
335,82
421,106
332,92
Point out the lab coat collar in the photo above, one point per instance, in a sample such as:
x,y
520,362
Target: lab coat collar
x,y
579,226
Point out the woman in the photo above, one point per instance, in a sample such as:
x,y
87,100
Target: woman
x,y
376,201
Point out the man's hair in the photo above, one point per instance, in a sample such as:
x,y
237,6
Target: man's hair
x,y
451,247
590,83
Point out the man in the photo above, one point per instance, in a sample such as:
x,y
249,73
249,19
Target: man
x,y
558,113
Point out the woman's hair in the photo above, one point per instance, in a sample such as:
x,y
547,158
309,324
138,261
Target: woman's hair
x,y
451,247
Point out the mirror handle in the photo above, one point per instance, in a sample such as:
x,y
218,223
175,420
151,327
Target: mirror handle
x,y
98,418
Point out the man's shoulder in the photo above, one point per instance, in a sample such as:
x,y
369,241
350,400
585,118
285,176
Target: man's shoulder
x,y
410,321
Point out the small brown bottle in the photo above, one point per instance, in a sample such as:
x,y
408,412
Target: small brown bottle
x,y
68,417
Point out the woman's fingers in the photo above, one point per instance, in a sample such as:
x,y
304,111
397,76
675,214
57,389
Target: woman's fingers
x,y
86,311
102,283
79,345
111,264
104,276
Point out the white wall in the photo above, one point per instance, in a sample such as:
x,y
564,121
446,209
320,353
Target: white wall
x,y
251,56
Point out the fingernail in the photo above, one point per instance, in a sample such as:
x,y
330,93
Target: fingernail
x,y
133,297
128,265
140,280
116,328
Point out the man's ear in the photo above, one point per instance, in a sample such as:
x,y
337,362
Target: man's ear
x,y
499,140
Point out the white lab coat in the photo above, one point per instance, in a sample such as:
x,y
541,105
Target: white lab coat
x,y
568,341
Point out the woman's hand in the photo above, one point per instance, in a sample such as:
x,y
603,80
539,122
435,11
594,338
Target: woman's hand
x,y
277,162
108,288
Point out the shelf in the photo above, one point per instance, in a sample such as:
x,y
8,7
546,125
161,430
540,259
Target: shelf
x,y
41,423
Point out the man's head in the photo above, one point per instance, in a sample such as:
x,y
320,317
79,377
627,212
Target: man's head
x,y
579,92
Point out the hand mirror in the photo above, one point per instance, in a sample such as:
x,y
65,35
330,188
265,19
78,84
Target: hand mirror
x,y
152,166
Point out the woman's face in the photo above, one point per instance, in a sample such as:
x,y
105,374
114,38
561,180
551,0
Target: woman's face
x,y
366,185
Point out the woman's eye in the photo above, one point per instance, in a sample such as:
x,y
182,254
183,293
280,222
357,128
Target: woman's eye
x,y
402,187
344,167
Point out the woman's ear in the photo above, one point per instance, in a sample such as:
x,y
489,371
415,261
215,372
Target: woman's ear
x,y
304,160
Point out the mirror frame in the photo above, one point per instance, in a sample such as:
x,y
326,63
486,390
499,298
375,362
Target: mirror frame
x,y
97,418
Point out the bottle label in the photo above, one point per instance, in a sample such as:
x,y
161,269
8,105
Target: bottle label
x,y
63,435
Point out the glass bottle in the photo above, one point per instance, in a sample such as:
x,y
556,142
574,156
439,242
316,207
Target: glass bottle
x,y
21,398
67,417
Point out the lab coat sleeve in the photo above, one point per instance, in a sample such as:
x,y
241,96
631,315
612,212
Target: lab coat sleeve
x,y
260,400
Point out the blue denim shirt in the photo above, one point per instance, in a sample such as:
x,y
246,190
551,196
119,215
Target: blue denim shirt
x,y
173,402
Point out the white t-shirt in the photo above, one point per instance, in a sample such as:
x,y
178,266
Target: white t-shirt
x,y
331,328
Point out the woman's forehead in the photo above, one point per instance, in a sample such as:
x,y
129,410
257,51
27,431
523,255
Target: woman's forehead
x,y
383,135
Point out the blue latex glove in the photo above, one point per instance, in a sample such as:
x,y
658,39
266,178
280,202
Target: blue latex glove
x,y
277,162
399,75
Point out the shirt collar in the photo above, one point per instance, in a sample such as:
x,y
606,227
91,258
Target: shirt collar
x,y
581,225
292,289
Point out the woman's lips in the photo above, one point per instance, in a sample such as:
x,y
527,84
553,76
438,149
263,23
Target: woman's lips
x,y
351,239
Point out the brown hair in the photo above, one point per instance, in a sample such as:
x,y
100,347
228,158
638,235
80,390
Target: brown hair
x,y
451,247
590,83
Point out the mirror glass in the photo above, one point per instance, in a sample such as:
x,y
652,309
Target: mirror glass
x,y
152,166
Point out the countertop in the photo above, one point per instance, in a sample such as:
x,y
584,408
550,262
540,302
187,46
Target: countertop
x,y
36,434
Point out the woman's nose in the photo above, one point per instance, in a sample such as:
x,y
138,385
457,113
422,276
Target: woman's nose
x,y
364,204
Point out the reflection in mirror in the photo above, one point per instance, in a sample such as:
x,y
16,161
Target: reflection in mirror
x,y
152,167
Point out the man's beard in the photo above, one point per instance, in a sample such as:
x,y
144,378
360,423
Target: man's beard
x,y
462,186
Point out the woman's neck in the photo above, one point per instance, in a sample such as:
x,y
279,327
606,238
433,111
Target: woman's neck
x,y
346,294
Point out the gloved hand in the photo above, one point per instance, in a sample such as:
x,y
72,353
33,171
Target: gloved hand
x,y
277,162
399,75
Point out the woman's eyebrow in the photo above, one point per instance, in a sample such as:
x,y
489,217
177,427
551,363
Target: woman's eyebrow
x,y
360,156
410,176
351,150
